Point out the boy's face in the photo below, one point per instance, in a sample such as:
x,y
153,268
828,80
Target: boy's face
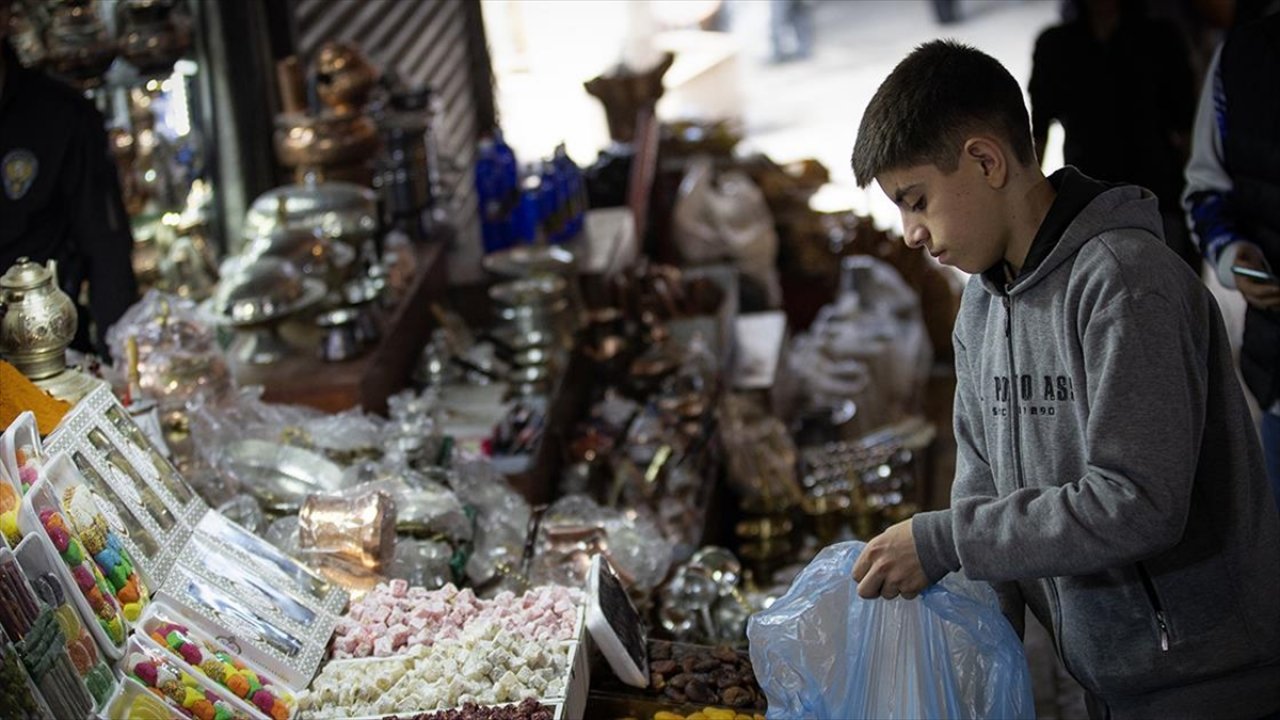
x,y
954,216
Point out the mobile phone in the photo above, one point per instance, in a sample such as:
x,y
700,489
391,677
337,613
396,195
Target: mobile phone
x,y
1252,274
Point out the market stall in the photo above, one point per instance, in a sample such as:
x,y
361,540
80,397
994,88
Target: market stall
x,y
317,481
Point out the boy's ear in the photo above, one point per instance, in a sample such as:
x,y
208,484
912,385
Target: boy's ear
x,y
989,158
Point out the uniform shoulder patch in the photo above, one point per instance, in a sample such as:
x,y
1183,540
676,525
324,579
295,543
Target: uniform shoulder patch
x,y
18,171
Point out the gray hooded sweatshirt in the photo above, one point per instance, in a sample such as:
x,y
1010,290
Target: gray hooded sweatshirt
x,y
1108,471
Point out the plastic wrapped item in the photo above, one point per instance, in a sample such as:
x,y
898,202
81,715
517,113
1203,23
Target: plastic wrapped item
x,y
215,425
574,528
178,357
760,454
283,533
345,437
246,512
422,563
869,346
821,651
725,216
501,520
358,526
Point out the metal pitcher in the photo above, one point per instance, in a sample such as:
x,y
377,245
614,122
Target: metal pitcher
x,y
37,319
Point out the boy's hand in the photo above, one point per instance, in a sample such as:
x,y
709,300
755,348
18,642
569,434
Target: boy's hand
x,y
889,565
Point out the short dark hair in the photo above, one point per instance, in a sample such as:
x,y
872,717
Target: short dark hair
x,y
932,100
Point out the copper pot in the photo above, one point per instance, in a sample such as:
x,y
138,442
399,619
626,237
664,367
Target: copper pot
x,y
78,45
154,37
326,142
344,77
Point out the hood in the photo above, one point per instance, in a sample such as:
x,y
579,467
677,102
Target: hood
x,y
1123,207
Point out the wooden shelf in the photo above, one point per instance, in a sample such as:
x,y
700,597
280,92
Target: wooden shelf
x,y
368,380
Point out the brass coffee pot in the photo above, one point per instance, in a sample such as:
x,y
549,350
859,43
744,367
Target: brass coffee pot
x,y
37,319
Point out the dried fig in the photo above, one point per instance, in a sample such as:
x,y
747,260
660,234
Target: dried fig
x,y
706,664
724,653
699,692
737,697
680,681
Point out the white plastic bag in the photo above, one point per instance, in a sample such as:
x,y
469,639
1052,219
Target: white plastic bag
x,y
724,216
821,651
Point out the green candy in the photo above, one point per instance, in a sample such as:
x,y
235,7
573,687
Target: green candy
x,y
174,638
221,713
74,554
118,577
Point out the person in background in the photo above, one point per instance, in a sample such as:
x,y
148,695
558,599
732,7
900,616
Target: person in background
x,y
60,193
947,12
790,29
1122,86
1233,200
1108,476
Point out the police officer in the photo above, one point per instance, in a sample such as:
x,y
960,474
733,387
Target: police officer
x,y
60,193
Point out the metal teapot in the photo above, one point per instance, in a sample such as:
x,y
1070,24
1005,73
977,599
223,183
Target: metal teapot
x,y
37,319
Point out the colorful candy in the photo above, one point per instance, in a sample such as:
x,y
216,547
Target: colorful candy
x,y
81,648
87,577
9,501
180,688
108,553
224,669
28,466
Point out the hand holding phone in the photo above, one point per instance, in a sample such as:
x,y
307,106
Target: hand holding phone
x,y
1255,274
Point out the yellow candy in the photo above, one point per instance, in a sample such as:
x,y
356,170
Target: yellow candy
x,y
741,717
664,715
192,697
9,526
132,611
715,713
190,680
146,707
697,716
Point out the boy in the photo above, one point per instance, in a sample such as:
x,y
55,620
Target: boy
x,y
1107,474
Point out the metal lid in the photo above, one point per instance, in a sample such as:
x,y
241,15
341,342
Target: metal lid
x,y
525,260
25,275
264,289
539,290
336,209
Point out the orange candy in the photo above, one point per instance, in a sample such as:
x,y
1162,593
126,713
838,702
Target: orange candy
x,y
279,711
238,684
129,593
202,709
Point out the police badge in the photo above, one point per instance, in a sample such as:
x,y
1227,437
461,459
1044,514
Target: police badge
x,y
18,169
